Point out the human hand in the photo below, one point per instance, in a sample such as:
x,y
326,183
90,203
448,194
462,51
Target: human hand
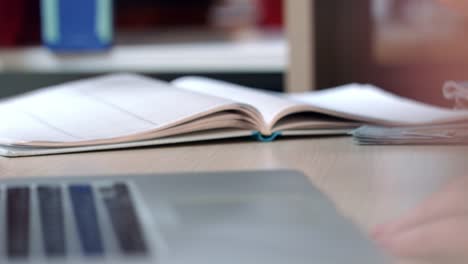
x,y
436,230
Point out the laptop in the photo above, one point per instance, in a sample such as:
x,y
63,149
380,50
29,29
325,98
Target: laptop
x,y
194,218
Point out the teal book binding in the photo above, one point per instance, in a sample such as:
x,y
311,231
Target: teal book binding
x,y
258,136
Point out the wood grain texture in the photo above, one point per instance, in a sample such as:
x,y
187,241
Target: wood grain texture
x,y
369,184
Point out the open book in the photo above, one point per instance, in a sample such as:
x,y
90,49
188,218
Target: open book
x,y
126,110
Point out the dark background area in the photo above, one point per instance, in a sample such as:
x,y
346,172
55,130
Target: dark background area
x,y
17,83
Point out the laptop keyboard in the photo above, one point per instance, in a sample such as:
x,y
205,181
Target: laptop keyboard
x,y
65,221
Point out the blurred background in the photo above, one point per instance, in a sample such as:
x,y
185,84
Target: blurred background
x,y
419,44
409,47
236,40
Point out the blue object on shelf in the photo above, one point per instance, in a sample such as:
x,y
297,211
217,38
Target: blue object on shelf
x,y
77,26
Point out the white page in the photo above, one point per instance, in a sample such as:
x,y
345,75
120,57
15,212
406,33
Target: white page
x,y
100,108
370,104
270,105
17,126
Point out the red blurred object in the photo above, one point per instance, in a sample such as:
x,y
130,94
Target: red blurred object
x,y
150,14
19,22
271,13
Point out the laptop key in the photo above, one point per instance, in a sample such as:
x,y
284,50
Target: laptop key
x,y
17,222
125,223
84,208
52,220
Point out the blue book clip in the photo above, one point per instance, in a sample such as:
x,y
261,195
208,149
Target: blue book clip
x,y
74,26
258,136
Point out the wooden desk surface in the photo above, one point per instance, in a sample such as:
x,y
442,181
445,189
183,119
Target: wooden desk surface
x,y
369,184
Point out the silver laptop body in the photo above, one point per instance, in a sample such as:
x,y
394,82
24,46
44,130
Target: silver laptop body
x,y
195,218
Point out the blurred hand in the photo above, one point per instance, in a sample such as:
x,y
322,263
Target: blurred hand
x,y
436,230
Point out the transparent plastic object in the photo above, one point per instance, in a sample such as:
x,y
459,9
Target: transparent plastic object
x,y
457,91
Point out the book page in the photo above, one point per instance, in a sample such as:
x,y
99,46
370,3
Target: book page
x,y
271,105
355,102
369,104
102,108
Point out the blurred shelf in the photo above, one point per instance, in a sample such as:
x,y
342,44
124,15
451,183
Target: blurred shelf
x,y
247,56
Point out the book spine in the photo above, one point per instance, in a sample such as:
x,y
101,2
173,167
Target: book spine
x,y
262,138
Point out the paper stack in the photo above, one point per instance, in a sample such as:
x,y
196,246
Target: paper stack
x,y
438,134
450,133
